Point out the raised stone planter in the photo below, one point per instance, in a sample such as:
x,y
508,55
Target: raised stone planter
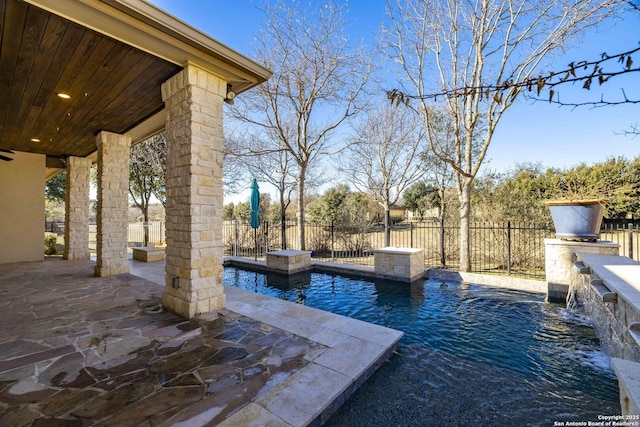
x,y
289,261
402,264
148,254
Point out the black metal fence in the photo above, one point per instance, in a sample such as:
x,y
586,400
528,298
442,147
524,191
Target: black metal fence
x,y
625,233
135,234
511,248
54,227
495,248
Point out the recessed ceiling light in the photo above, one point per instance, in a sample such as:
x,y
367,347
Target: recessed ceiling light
x,y
34,140
63,95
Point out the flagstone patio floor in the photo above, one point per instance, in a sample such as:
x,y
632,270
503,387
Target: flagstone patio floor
x,y
77,350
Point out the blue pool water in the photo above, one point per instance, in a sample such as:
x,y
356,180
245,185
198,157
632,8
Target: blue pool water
x,y
471,355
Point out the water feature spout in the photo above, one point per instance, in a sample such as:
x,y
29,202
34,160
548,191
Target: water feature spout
x,y
572,299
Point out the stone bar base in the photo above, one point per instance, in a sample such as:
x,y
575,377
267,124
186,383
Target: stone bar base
x,y
559,263
402,264
288,261
608,292
148,254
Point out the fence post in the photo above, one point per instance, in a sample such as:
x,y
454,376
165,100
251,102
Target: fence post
x,y
332,247
283,232
509,248
235,238
443,258
410,234
630,227
266,237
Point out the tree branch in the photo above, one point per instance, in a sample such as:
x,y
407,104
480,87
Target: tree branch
x,y
571,74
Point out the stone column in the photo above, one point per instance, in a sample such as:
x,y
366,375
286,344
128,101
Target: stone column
x,y
193,99
113,197
560,256
77,208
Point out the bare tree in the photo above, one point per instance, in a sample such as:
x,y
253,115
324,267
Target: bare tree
x,y
317,85
274,167
633,131
442,153
278,169
457,48
234,177
147,166
384,157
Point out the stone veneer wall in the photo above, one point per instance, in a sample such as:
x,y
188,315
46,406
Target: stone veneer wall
x,y
611,320
559,260
77,209
194,252
113,203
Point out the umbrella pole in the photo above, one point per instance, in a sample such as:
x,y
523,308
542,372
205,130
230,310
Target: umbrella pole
x,y
255,240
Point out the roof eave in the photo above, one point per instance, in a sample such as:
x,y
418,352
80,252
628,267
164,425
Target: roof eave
x,y
148,28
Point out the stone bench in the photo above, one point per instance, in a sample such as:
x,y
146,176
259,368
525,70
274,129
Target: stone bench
x,y
148,254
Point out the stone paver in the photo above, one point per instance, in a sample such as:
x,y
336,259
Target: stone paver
x,y
98,351
82,350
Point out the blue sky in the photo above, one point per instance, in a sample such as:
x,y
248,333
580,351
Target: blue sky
x,y
529,132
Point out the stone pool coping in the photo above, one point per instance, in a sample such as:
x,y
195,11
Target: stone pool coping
x,y
515,283
356,349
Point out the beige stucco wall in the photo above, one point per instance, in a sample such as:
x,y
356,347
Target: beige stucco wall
x,y
22,208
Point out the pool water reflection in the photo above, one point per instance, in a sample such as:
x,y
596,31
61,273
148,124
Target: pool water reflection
x,y
488,355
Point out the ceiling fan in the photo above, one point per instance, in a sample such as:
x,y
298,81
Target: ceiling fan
x,y
5,158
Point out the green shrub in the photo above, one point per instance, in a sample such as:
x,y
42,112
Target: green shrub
x,y
50,240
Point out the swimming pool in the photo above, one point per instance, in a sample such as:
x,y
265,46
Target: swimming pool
x,y
471,355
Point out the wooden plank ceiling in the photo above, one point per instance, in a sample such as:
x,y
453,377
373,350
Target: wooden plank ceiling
x,y
113,86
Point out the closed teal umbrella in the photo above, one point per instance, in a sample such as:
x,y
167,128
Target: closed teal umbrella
x,y
254,203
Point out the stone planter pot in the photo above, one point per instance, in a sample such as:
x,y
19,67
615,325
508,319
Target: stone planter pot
x,y
577,219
